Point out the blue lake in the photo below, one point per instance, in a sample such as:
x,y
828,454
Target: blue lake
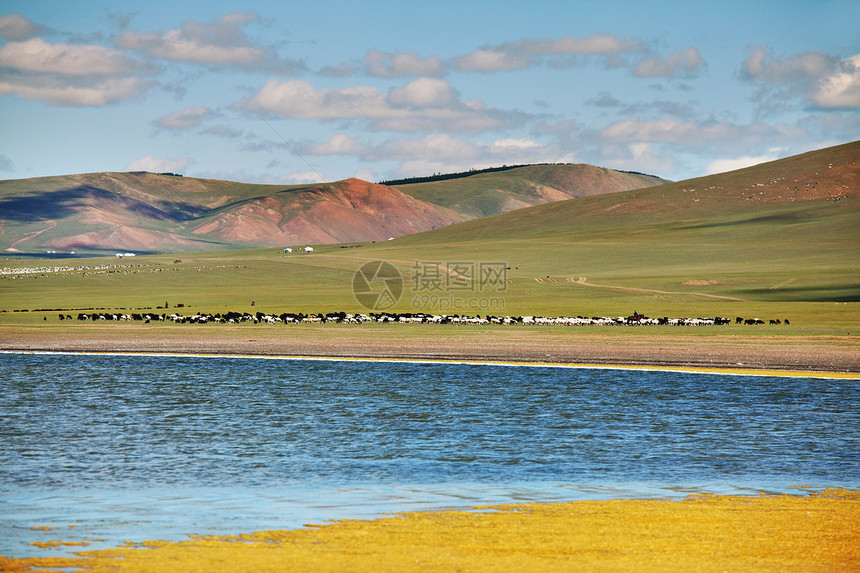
x,y
143,447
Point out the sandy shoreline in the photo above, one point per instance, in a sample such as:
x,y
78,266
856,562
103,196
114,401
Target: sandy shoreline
x,y
718,353
510,363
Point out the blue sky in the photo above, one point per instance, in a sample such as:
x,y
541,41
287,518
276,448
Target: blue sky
x,y
290,92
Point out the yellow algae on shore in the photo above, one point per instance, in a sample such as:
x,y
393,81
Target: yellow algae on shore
x,y
58,543
819,532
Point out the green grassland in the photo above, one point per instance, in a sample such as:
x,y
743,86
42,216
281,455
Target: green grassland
x,y
661,270
734,244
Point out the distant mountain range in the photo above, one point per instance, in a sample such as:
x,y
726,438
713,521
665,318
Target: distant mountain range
x,y
146,212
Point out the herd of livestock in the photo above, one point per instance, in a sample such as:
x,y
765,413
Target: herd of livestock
x,y
412,318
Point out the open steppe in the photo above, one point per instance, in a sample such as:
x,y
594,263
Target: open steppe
x,y
778,241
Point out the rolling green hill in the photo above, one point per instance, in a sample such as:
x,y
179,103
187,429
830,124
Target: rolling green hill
x,y
490,193
779,239
782,231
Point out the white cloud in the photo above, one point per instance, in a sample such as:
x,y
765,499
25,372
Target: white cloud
x,y
224,131
159,164
761,65
832,127
643,156
491,61
435,146
498,58
299,99
663,146
16,27
385,65
185,118
338,71
638,156
685,63
665,129
61,93
512,144
299,177
340,144
38,56
822,80
532,52
172,46
671,147
605,100
733,163
70,75
423,167
438,152
841,89
219,44
593,45
365,175
691,134
422,105
423,92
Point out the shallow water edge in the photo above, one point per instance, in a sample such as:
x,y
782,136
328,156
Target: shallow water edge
x,y
740,371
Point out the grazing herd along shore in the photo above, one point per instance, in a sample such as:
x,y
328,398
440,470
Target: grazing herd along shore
x,y
412,318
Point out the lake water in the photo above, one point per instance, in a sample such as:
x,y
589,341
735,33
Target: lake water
x,y
115,448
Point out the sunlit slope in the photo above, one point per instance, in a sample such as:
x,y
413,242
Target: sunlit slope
x,y
344,211
484,194
784,230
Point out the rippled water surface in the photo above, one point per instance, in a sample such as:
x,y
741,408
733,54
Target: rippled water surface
x,y
132,447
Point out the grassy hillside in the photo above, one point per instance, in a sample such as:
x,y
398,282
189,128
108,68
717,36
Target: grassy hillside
x,y
779,240
786,230
491,193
